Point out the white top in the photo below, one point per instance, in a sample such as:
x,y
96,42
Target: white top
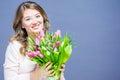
x,y
16,66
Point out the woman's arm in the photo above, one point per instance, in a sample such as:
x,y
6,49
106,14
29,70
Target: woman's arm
x,y
11,65
62,77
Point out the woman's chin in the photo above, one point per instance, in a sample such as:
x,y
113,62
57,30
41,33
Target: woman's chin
x,y
36,30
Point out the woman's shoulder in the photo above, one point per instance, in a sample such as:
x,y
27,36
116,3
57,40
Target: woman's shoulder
x,y
13,46
13,50
14,43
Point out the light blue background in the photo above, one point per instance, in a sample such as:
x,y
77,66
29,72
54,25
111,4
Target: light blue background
x,y
94,26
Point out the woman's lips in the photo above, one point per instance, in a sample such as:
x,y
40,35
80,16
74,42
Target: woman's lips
x,y
35,26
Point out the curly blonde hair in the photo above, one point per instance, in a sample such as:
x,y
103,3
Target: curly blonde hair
x,y
20,33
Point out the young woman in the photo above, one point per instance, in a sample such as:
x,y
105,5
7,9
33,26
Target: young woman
x,y
30,19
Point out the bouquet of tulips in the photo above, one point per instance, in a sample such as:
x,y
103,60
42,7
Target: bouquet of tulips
x,y
50,47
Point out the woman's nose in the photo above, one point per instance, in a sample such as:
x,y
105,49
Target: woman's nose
x,y
34,21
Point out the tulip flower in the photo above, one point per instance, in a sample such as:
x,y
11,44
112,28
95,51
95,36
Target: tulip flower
x,y
37,53
31,55
55,49
58,32
42,33
37,41
57,43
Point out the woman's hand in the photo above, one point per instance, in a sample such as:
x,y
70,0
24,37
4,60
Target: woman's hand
x,y
62,68
42,72
46,70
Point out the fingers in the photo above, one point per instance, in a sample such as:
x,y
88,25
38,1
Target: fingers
x,y
63,65
48,65
51,72
46,69
62,68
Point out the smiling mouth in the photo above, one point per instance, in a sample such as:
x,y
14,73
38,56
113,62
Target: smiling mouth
x,y
35,26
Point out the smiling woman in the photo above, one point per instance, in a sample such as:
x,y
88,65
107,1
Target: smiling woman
x,y
29,20
32,21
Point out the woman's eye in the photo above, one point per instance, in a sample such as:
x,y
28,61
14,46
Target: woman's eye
x,y
37,16
27,19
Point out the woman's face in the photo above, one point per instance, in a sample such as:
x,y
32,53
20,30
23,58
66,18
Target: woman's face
x,y
32,21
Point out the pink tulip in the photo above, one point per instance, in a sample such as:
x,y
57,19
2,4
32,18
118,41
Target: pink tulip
x,y
58,33
35,47
41,55
36,53
37,41
57,43
55,49
54,37
40,36
31,55
42,33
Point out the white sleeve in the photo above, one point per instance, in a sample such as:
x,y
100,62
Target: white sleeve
x,y
62,77
11,65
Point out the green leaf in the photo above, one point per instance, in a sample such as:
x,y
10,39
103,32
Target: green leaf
x,y
56,55
67,54
31,41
